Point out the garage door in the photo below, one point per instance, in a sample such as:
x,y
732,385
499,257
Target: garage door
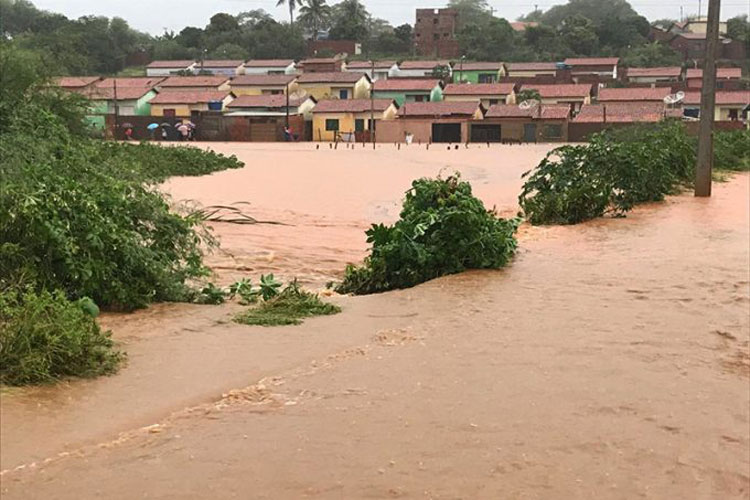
x,y
446,132
485,133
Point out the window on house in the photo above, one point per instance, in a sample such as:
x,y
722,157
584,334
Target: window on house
x,y
552,131
719,85
276,92
332,125
734,114
493,102
487,78
169,112
418,98
343,94
359,125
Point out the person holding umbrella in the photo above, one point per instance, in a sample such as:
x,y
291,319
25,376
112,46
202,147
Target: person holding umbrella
x,y
151,127
184,131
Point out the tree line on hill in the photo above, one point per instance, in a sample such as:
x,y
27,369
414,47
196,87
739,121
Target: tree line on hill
x,y
99,45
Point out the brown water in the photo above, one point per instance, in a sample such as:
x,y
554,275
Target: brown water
x,y
610,360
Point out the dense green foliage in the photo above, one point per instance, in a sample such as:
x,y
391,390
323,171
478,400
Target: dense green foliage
x,y
443,229
81,221
289,307
44,336
732,150
619,168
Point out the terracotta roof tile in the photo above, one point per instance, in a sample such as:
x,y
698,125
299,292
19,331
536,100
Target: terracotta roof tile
x,y
562,90
725,73
624,113
396,84
479,89
634,94
268,80
70,82
722,97
265,101
148,82
478,66
170,64
351,105
189,97
268,63
108,93
521,26
669,71
442,108
193,81
548,112
555,112
332,77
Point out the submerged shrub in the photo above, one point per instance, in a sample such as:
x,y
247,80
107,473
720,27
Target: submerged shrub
x,y
289,307
443,229
44,336
611,174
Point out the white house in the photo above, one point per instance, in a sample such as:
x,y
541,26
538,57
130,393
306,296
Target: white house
x,y
382,68
270,67
417,69
228,67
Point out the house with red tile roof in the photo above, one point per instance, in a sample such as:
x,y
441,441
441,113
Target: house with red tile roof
x,y
194,83
122,82
625,113
335,85
488,94
321,65
634,95
446,122
75,83
349,119
726,78
730,105
404,90
653,75
168,68
270,67
603,67
478,72
521,25
540,123
271,105
258,84
576,94
182,103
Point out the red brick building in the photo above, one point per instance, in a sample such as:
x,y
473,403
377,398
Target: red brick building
x,y
435,33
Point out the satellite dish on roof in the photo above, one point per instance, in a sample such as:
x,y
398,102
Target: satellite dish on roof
x,y
679,96
670,99
528,104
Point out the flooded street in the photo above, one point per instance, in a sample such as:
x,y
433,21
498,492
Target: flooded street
x,y
609,360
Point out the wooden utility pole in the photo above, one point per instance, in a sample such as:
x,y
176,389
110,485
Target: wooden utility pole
x,y
372,104
708,102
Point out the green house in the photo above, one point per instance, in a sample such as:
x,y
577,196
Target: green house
x,y
477,72
404,90
131,101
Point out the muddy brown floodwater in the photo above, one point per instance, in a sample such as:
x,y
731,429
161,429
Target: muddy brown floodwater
x,y
610,360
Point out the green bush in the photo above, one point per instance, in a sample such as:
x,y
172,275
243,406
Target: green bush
x,y
611,174
289,307
732,150
443,229
44,336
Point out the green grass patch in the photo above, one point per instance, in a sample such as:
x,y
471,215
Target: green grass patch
x,y
290,307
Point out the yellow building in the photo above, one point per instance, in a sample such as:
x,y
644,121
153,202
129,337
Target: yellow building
x,y
263,84
344,118
342,85
178,104
730,105
487,93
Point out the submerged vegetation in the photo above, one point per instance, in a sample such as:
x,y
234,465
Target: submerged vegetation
x,y
620,168
81,218
288,307
443,229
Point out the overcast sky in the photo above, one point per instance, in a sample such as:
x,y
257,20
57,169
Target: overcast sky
x,y
153,16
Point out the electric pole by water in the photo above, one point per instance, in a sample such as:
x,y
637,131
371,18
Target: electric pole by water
x,y
372,104
708,101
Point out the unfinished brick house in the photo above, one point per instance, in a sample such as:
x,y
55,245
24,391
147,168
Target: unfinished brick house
x,y
435,33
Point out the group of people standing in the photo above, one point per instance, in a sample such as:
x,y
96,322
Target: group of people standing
x,y
180,131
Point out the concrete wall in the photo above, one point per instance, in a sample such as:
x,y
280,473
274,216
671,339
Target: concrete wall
x,y
421,128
